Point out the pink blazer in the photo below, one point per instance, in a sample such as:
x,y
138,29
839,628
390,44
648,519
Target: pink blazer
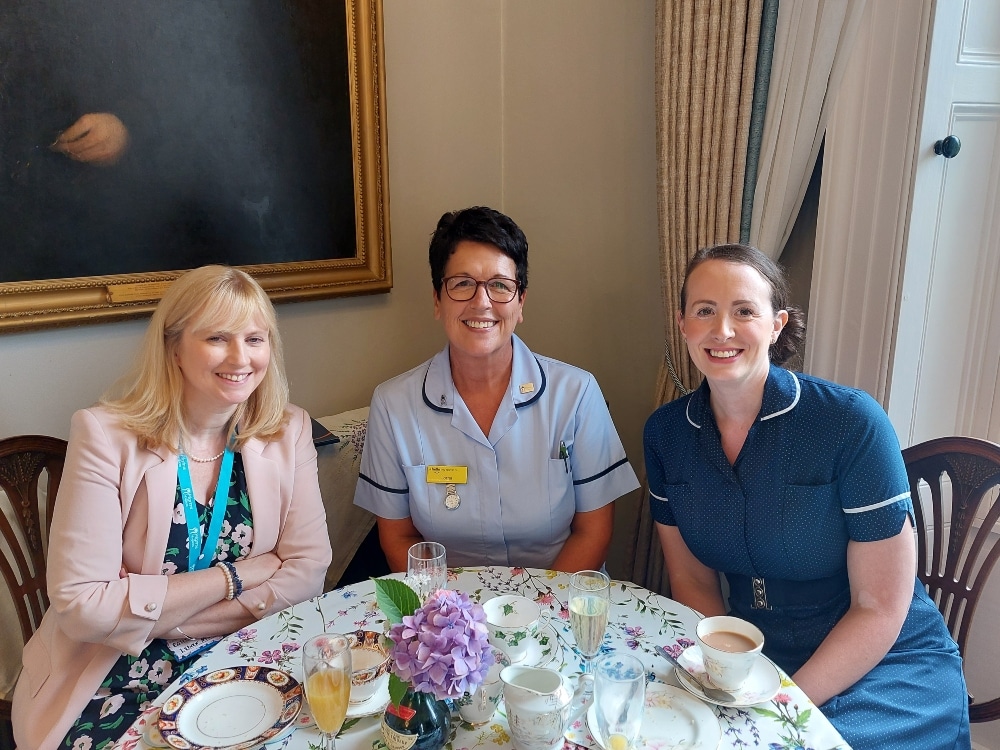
x,y
114,509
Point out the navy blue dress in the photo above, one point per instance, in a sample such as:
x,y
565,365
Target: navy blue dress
x,y
821,466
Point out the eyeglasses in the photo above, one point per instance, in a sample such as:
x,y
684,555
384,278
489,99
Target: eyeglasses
x,y
464,288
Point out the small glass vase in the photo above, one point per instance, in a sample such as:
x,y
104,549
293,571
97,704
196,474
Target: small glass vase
x,y
419,722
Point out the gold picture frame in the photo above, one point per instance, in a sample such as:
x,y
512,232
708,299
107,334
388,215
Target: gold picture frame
x,y
100,298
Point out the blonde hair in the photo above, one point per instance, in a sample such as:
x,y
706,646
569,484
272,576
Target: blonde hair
x,y
151,400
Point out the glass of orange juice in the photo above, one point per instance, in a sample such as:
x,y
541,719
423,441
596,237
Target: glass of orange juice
x,y
326,666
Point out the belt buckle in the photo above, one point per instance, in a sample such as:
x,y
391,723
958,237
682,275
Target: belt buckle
x,y
759,589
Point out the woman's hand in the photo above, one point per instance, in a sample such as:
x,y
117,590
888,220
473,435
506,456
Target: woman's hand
x,y
254,571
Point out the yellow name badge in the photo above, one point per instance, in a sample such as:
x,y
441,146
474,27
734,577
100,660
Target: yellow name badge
x,y
447,474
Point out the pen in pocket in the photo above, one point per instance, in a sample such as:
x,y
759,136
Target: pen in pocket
x,y
564,455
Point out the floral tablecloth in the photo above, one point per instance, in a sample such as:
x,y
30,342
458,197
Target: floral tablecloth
x,y
639,620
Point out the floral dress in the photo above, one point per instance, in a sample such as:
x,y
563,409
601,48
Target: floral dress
x,y
135,681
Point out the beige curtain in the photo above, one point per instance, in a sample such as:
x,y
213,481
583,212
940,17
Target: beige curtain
x,y
706,54
812,42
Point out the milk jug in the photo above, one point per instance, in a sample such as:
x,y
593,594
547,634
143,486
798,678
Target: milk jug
x,y
539,705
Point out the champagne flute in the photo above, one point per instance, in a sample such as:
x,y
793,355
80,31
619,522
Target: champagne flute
x,y
426,568
619,697
326,664
589,600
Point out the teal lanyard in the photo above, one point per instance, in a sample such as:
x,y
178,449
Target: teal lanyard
x,y
199,556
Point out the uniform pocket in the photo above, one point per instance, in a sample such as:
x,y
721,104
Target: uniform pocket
x,y
812,528
562,498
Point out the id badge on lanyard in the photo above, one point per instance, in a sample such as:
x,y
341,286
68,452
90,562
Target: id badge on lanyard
x,y
200,555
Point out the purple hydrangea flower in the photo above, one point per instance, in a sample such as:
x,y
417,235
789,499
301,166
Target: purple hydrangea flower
x,y
443,648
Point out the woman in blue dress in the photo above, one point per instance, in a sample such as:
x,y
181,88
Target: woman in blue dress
x,y
794,488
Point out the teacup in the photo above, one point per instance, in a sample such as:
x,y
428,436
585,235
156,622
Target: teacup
x,y
369,664
729,647
477,708
512,620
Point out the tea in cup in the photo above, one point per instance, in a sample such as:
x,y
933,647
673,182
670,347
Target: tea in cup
x,y
729,647
369,664
478,707
512,621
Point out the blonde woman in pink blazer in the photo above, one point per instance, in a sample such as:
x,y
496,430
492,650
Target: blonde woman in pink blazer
x,y
189,507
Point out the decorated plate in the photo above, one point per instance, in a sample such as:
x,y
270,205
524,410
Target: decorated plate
x,y
671,720
763,683
234,708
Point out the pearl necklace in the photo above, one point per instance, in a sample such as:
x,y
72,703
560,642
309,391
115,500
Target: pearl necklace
x,y
206,460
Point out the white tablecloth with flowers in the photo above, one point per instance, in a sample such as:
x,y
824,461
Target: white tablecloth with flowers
x,y
639,620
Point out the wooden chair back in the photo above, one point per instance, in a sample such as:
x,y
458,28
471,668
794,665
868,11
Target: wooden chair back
x,y
954,482
23,460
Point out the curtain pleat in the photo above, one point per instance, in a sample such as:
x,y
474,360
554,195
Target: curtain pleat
x,y
706,56
811,51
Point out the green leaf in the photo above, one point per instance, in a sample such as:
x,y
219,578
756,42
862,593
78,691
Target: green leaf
x,y
347,725
395,599
768,714
397,688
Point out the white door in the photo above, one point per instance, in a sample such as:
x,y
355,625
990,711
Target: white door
x,y
944,377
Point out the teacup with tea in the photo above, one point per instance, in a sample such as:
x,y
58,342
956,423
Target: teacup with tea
x,y
729,647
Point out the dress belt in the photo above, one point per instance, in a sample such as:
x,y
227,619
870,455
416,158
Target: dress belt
x,y
767,593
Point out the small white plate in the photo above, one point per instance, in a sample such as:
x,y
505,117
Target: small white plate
x,y
542,647
234,708
763,683
670,719
374,705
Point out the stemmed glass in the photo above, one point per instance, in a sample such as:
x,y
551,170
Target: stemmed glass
x,y
426,568
589,599
326,664
619,696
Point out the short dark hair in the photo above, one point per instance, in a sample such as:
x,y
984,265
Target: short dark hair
x,y
478,224
794,333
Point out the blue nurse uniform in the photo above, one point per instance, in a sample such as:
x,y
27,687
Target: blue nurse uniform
x,y
820,466
552,452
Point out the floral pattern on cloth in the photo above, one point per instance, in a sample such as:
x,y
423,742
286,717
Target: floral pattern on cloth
x,y
639,620
134,682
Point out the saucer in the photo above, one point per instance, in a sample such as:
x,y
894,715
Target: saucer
x,y
542,647
670,718
761,686
374,705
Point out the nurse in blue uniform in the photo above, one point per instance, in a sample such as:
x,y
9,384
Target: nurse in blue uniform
x,y
795,489
502,455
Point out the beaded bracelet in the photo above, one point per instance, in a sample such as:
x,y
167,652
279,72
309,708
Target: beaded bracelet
x,y
234,578
229,580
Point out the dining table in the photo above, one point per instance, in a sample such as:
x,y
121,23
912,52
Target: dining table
x,y
639,622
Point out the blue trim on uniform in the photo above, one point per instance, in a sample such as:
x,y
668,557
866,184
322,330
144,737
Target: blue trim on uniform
x,y
447,410
601,474
541,388
383,488
423,393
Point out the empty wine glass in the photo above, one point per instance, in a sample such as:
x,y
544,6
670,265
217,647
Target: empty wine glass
x,y
589,599
326,666
426,569
619,697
